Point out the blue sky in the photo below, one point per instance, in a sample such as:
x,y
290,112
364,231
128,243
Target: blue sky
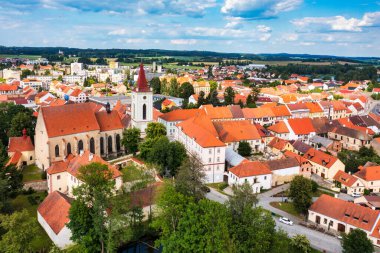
x,y
337,27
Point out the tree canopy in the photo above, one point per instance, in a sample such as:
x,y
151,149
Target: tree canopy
x,y
357,241
131,139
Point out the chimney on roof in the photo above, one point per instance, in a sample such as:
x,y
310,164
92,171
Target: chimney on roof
x,y
24,133
108,107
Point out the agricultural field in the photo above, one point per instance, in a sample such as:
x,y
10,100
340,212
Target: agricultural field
x,y
31,57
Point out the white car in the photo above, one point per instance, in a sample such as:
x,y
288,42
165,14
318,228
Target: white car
x,y
286,221
356,195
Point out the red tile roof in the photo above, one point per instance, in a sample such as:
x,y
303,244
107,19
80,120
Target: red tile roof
x,y
278,143
108,121
201,129
301,126
217,112
69,119
72,164
180,115
235,131
370,173
7,87
21,144
320,157
250,169
345,178
279,128
55,210
346,212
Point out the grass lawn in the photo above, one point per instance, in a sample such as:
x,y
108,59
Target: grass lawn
x,y
32,57
30,173
41,241
219,187
133,173
286,207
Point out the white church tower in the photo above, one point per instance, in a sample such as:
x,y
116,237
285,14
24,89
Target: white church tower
x,y
142,102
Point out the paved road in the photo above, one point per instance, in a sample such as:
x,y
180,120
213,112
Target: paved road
x,y
317,240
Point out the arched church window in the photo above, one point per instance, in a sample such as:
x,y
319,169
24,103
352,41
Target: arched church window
x,y
109,144
92,145
68,148
56,151
101,145
144,111
118,143
80,146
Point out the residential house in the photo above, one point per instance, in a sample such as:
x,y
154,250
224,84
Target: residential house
x,y
351,139
256,173
370,176
324,165
283,170
349,183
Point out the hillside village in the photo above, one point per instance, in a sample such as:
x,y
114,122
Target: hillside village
x,y
244,124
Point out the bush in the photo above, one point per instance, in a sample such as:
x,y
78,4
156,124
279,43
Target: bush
x,y
32,200
222,186
43,175
366,192
29,191
314,186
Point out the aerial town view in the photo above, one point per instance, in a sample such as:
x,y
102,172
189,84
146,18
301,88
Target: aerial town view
x,y
216,126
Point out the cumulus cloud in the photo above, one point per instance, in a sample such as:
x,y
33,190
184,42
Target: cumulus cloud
x,y
258,9
308,43
263,28
340,23
183,42
290,36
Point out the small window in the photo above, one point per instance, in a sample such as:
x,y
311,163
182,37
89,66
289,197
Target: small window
x,y
209,160
325,221
209,151
31,158
58,177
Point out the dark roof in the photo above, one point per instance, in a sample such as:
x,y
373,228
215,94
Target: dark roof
x,y
369,121
301,146
353,133
283,163
320,125
357,120
236,111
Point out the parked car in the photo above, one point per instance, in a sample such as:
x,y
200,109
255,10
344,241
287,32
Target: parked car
x,y
356,195
286,221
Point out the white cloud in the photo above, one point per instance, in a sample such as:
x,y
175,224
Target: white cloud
x,y
183,42
255,9
290,36
340,23
265,37
263,28
120,31
307,43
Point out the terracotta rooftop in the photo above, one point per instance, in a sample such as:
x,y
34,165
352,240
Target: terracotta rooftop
x,y
279,128
250,169
345,178
180,115
235,131
370,173
301,126
320,158
55,210
21,144
346,212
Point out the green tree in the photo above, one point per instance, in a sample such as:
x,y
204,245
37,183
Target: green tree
x,y
280,243
213,98
167,155
88,214
25,73
357,241
190,179
300,192
201,98
250,102
131,139
229,96
173,88
244,149
20,121
251,228
300,244
200,227
155,84
186,90
155,130
19,228
213,85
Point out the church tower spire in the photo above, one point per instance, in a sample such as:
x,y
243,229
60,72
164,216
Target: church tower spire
x,y
142,102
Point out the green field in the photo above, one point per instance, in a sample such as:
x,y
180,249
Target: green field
x,y
32,57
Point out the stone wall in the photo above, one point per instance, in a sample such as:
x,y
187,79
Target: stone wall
x,y
37,185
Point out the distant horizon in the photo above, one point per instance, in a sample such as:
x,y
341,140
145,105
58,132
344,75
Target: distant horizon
x,y
324,27
195,50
